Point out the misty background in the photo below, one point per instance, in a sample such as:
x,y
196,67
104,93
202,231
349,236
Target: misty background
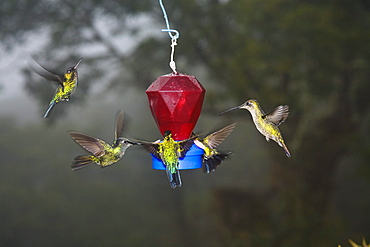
x,y
312,55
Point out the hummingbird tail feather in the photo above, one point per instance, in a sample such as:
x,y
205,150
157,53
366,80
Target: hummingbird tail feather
x,y
81,162
211,163
286,150
173,178
51,105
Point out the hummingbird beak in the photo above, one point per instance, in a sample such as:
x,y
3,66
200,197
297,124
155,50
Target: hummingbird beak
x,y
122,139
78,63
232,109
133,143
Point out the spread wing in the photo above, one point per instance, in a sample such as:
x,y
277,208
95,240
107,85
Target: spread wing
x,y
48,74
216,138
278,115
119,125
151,147
185,145
91,144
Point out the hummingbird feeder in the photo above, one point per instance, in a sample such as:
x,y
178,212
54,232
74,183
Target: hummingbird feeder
x,y
176,101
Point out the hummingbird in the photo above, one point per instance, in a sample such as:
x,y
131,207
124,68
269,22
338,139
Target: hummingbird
x,y
67,84
267,124
211,157
103,154
169,151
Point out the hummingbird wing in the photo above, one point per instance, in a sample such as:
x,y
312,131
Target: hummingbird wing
x,y
119,125
216,138
185,146
151,147
278,115
91,144
50,75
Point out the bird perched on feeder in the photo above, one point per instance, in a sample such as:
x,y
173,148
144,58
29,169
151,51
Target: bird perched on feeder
x,y
103,153
211,157
267,124
67,84
169,151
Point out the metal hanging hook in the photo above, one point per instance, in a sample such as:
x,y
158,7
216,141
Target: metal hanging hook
x,y
168,29
174,35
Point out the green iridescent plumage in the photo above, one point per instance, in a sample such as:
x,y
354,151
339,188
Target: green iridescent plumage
x,y
267,124
169,151
212,158
103,153
67,84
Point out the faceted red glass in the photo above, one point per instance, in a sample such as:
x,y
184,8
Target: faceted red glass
x,y
176,101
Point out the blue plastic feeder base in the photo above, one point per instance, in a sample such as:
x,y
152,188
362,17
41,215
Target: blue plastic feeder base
x,y
192,160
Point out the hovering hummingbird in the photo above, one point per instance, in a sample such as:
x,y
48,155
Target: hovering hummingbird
x,y
211,157
103,153
67,84
169,151
267,124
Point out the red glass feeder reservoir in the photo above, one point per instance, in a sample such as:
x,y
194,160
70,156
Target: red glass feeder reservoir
x,y
176,101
